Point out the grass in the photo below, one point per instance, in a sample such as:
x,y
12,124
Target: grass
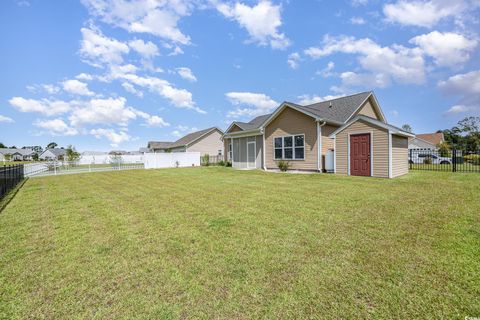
x,y
220,243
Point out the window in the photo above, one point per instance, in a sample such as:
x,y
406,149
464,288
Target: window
x,y
230,151
219,152
289,147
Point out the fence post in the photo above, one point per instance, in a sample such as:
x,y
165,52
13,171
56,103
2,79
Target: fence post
x,y
454,160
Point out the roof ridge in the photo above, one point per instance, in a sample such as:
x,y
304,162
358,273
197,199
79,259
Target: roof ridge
x,y
343,97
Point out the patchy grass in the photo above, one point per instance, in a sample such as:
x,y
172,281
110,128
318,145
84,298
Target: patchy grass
x,y
219,243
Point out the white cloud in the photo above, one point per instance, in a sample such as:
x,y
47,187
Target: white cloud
x,y
404,65
447,49
76,87
48,88
186,74
183,130
6,119
395,113
293,60
116,138
147,50
306,99
327,71
156,121
97,49
159,18
250,104
84,76
466,86
462,84
457,109
180,98
44,106
177,51
261,22
422,13
131,88
56,127
357,20
102,111
352,79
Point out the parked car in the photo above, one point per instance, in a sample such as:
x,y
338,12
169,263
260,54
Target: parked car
x,y
428,158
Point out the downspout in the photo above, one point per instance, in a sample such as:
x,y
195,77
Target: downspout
x,y
231,142
263,150
320,124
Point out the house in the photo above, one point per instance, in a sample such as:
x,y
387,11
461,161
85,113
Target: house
x,y
426,141
53,154
353,128
14,154
207,141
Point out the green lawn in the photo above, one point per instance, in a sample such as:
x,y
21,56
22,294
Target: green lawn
x,y
226,244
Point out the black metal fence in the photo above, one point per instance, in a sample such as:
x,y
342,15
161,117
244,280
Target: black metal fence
x,y
10,176
451,161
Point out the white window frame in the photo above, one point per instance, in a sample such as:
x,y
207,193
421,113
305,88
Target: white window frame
x,y
293,147
230,151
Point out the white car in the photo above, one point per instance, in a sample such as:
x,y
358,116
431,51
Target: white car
x,y
421,158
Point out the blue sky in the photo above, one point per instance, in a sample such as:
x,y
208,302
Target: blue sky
x,y
104,74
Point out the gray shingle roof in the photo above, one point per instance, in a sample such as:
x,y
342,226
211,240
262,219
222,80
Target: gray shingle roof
x,y
23,152
189,138
253,124
57,151
335,110
159,144
339,109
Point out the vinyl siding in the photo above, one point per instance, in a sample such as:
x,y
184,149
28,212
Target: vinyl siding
x,y
292,122
399,156
234,128
327,143
368,110
380,148
208,144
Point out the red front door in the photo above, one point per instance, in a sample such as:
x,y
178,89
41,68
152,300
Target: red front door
x,y
360,155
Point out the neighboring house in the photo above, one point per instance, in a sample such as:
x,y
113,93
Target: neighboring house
x,y
158,146
426,141
353,127
207,141
53,154
14,154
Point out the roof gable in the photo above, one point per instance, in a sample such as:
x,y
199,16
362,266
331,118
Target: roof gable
x,y
375,122
192,137
433,138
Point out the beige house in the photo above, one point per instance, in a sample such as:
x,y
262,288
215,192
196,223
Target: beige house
x,y
207,141
352,130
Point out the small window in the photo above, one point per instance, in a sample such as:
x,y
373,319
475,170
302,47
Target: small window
x,y
278,148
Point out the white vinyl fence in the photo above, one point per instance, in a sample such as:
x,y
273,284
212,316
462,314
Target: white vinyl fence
x,y
171,160
31,169
106,158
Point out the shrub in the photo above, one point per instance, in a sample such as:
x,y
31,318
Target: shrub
x,y
206,160
283,165
427,160
221,163
228,164
472,158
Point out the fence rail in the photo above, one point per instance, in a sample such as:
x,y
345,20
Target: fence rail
x,y
449,161
10,176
